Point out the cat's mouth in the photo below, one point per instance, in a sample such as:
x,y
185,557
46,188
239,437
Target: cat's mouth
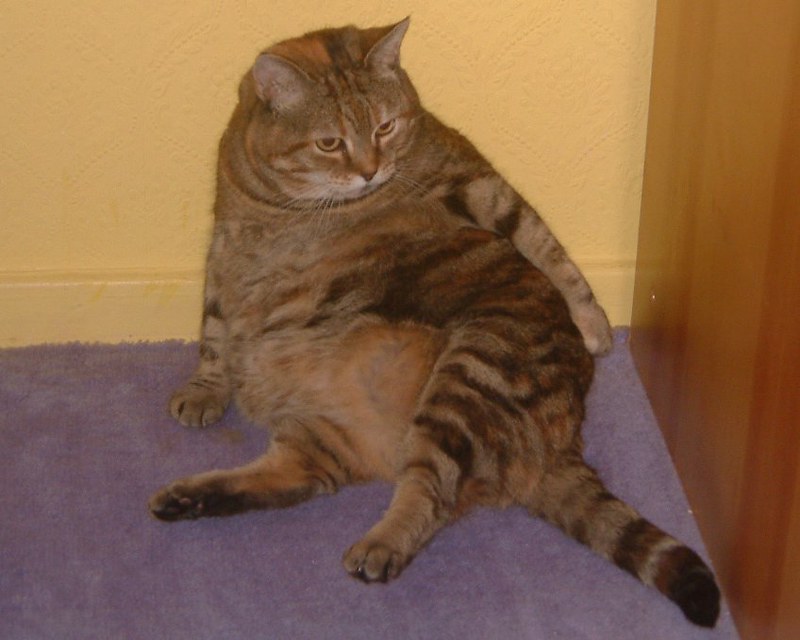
x,y
361,192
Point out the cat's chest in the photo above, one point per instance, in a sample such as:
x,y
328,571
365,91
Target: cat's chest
x,y
306,275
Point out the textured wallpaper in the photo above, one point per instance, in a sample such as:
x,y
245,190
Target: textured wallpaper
x,y
111,113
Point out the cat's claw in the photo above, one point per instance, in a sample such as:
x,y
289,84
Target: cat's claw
x,y
374,562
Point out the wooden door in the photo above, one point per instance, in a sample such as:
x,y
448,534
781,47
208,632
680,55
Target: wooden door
x,y
716,317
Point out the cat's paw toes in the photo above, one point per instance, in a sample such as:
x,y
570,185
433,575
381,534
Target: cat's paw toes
x,y
177,502
595,329
372,561
204,495
194,406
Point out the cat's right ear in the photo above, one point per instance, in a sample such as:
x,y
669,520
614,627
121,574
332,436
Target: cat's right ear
x,y
279,83
385,54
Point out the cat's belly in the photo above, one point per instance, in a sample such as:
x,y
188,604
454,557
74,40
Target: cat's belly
x,y
365,379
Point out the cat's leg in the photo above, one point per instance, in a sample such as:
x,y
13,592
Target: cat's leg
x,y
204,397
487,200
292,471
436,461
573,497
423,502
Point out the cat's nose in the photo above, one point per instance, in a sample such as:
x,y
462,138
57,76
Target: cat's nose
x,y
365,162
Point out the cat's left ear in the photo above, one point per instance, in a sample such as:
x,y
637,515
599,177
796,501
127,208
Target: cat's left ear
x,y
279,82
385,54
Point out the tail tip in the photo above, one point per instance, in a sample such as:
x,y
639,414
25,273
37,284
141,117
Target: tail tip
x,y
697,594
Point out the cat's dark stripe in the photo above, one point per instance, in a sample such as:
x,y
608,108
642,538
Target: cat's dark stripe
x,y
322,475
429,477
406,271
450,439
555,355
321,447
342,434
505,366
337,50
207,352
284,323
495,396
634,544
587,499
456,205
493,313
212,310
292,148
507,225
342,286
202,383
402,301
317,320
554,253
281,296
475,416
427,466
458,182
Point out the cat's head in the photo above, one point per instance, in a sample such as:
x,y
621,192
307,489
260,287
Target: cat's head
x,y
335,113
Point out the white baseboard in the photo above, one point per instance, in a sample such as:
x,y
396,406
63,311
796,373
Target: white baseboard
x,y
114,306
105,307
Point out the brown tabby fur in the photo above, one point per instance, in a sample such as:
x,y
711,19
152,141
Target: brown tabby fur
x,y
364,299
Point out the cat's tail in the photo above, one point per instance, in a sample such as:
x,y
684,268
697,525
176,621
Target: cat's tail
x,y
574,498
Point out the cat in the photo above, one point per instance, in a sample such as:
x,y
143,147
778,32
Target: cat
x,y
391,309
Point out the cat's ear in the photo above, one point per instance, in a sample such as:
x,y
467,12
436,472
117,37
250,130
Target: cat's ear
x,y
385,54
279,83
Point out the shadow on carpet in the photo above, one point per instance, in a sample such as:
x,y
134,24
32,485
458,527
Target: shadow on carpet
x,y
86,440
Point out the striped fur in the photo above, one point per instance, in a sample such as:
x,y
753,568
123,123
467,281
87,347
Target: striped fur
x,y
391,308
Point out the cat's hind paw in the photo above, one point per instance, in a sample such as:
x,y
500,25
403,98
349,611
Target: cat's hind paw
x,y
195,405
372,561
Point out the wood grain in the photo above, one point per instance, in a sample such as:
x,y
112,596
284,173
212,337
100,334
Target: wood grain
x,y
715,328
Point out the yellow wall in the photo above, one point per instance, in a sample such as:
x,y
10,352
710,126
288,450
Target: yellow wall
x,y
110,113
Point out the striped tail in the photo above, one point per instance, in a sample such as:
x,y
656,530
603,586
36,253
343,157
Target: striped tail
x,y
573,498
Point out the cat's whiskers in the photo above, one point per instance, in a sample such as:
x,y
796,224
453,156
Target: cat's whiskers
x,y
308,198
329,214
409,184
320,212
317,215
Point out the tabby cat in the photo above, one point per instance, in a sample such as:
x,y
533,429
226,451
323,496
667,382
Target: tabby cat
x,y
369,298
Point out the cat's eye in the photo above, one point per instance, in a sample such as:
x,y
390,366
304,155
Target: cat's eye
x,y
385,128
329,145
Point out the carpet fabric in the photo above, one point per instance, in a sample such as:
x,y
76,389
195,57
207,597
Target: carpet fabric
x,y
86,439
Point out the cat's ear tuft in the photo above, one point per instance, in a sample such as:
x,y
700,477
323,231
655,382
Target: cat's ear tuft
x,y
385,54
279,83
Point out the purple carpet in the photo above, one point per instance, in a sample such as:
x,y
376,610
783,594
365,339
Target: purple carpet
x,y
86,440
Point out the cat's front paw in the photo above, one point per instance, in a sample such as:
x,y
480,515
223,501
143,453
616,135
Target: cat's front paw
x,y
175,503
197,406
374,561
188,500
593,324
